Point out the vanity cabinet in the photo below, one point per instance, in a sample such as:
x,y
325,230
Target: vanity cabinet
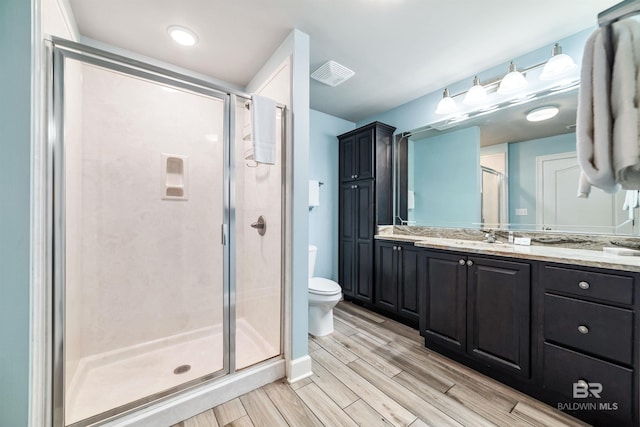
x,y
589,334
478,308
365,200
397,280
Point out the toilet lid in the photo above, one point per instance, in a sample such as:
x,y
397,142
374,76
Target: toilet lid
x,y
322,286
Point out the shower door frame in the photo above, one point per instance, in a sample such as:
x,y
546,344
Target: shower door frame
x,y
58,51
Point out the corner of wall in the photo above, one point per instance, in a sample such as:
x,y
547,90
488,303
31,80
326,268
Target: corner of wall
x,y
296,47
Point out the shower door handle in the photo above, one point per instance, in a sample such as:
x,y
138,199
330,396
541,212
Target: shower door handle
x,y
260,225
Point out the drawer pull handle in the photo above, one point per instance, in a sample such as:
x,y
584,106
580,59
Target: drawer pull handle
x,y
583,285
583,329
461,262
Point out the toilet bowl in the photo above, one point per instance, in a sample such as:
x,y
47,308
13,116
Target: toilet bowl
x,y
324,294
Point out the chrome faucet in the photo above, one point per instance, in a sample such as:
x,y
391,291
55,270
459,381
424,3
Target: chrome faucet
x,y
490,237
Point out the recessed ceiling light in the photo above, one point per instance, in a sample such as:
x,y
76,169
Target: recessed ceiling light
x,y
542,113
182,35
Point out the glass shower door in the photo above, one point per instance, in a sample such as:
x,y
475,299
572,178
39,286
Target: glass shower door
x,y
142,198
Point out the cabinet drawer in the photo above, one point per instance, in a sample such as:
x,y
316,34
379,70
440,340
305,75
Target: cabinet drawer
x,y
562,368
602,286
595,328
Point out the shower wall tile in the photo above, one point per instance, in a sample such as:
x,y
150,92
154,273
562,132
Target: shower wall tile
x,y
151,268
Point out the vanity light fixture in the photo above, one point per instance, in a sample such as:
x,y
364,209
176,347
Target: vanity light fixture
x,y
542,113
182,35
447,104
476,95
558,65
512,82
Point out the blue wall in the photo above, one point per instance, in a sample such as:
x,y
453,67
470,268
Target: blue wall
x,y
15,113
421,111
323,166
446,179
522,173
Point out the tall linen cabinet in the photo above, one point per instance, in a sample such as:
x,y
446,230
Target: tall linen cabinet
x,y
366,200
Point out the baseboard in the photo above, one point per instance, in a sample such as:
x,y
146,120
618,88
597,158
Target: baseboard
x,y
177,408
299,369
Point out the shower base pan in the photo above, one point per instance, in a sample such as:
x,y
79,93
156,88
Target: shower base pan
x,y
109,380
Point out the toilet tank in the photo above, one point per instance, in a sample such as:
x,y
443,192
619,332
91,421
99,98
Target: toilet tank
x,y
313,250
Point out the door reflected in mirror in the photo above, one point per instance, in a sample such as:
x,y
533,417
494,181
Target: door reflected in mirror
x,y
501,171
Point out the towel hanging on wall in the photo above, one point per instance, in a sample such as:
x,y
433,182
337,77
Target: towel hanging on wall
x,y
625,87
608,126
263,122
593,126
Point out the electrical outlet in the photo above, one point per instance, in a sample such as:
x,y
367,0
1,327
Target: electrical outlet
x,y
521,212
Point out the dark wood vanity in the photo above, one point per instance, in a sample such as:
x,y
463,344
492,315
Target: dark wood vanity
x,y
566,333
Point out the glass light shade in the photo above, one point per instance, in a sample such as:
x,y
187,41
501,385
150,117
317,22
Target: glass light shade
x,y
447,105
512,82
542,113
182,35
558,66
476,95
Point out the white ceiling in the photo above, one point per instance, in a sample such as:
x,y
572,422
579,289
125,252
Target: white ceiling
x,y
399,49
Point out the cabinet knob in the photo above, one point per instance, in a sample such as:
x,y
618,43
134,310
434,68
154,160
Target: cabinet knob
x,y
353,176
461,262
469,263
395,248
583,329
583,285
399,248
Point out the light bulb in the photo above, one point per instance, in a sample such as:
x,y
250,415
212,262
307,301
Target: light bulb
x,y
447,105
559,65
476,95
512,82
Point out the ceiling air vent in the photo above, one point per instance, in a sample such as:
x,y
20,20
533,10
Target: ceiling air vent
x,y
332,74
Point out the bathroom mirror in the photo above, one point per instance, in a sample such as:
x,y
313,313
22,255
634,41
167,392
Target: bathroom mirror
x,y
497,170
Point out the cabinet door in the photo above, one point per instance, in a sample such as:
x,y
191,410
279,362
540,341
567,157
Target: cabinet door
x,y
347,239
348,159
365,228
498,313
386,285
365,154
444,307
408,282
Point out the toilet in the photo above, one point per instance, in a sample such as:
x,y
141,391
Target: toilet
x,y
324,294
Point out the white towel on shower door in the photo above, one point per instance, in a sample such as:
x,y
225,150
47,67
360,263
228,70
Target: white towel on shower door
x,y
263,121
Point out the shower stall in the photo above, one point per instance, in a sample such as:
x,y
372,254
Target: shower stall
x,y
160,282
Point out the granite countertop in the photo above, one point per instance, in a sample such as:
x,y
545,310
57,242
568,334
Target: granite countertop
x,y
584,257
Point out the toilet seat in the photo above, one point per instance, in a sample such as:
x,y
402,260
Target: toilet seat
x,y
322,286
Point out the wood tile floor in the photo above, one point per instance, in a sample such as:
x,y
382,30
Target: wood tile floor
x,y
373,371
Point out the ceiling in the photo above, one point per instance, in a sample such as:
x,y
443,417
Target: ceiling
x,y
399,49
